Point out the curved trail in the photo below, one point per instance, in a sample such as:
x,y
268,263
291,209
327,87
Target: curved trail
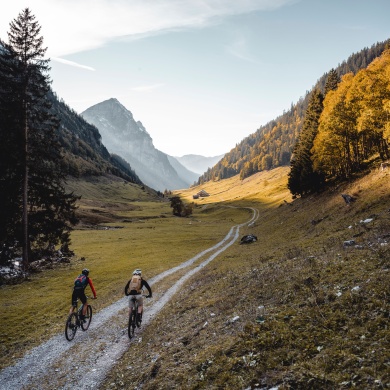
x,y
59,364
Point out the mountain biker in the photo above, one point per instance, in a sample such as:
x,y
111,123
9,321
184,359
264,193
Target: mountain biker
x,y
80,283
134,289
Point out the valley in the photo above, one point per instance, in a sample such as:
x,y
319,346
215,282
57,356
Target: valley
x,y
296,308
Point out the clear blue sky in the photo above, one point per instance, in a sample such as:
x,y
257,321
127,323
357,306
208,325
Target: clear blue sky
x,y
200,75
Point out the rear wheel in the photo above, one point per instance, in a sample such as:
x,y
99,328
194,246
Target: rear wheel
x,y
88,318
131,326
71,327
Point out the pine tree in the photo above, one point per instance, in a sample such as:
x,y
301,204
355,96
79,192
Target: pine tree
x,y
33,163
332,81
302,178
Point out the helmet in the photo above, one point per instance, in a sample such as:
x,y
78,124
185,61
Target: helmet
x,y
137,272
85,271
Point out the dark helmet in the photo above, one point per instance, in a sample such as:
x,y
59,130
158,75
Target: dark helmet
x,y
85,271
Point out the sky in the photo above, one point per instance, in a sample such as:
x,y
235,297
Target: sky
x,y
201,75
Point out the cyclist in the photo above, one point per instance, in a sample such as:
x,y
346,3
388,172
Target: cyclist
x,y
80,283
134,289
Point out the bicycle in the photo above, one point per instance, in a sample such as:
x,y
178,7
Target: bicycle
x,y
133,323
74,322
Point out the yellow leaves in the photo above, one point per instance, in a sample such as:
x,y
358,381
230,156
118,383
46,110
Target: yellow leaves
x,y
355,119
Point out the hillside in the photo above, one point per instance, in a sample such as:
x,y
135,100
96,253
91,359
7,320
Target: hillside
x,y
304,307
272,145
82,148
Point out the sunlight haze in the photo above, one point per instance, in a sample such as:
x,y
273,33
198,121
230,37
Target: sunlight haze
x,y
199,75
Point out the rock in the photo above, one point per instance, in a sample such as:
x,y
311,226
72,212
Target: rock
x,y
248,239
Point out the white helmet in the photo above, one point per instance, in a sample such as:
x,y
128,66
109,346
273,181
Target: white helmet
x,y
137,272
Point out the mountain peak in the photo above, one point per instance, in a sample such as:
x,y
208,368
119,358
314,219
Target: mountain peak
x,y
129,139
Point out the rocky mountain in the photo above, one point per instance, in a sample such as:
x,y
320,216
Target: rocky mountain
x,y
128,138
183,171
83,151
197,163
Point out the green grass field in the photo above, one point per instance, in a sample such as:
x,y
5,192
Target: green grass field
x,y
139,231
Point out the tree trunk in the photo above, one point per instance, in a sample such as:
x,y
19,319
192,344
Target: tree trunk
x,y
26,242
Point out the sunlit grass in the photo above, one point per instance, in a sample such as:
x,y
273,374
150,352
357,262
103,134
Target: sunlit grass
x,y
312,313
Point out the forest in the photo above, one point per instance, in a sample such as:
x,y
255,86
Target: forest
x,y
273,145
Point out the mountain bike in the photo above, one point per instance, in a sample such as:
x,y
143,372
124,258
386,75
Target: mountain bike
x,y
74,321
133,323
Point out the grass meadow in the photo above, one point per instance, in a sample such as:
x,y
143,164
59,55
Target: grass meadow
x,y
137,230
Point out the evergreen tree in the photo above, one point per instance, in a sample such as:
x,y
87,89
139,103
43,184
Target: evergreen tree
x,y
302,178
332,81
40,213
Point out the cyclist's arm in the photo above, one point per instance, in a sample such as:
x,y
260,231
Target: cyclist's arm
x,y
92,287
145,283
127,286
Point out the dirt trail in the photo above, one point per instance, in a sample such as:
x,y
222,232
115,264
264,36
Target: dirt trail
x,y
59,364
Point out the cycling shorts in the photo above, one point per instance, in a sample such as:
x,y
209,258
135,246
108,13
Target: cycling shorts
x,y
78,293
138,297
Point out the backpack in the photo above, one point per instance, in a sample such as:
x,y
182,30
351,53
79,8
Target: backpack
x,y
135,283
81,281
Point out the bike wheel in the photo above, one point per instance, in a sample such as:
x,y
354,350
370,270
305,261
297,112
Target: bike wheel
x,y
71,327
88,318
131,326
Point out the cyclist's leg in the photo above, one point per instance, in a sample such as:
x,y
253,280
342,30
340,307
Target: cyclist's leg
x,y
131,304
83,300
140,300
74,302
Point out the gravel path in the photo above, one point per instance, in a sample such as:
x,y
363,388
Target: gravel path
x,y
59,364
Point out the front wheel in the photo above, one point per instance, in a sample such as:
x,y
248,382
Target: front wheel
x,y
131,326
88,318
71,327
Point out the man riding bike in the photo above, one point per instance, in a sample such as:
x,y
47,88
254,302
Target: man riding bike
x,y
134,290
80,283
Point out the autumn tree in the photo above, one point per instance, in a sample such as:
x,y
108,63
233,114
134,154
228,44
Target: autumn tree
x,y
354,124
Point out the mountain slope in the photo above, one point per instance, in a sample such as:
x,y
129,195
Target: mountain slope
x,y
129,139
82,148
272,144
197,163
185,173
298,309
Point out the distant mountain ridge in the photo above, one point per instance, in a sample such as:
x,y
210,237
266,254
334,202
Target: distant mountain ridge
x,y
128,138
197,163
